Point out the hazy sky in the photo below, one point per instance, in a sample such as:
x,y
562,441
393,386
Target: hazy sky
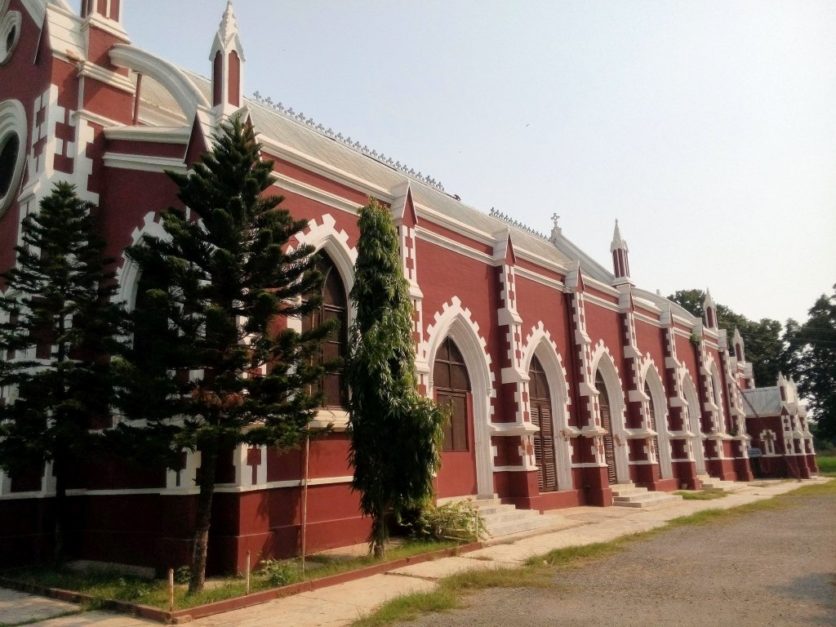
x,y
707,128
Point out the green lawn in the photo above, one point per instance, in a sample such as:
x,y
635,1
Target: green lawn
x,y
827,464
104,585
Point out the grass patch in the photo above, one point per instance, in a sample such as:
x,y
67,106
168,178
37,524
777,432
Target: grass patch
x,y
827,465
707,494
409,607
574,556
105,585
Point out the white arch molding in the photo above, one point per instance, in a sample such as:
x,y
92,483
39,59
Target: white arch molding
x,y
455,322
540,343
650,376
692,420
717,395
13,127
603,362
324,236
127,275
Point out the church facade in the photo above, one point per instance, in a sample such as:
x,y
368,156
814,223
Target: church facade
x,y
564,377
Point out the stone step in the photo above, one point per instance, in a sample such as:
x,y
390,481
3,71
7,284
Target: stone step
x,y
631,495
715,483
501,519
641,498
651,499
490,510
626,489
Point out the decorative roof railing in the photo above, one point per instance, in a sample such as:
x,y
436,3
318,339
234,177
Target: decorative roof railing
x,y
496,213
300,117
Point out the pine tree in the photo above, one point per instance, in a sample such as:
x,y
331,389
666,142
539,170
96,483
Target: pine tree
x,y
59,324
395,433
205,347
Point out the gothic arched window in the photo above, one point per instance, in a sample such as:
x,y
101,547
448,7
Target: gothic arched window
x,y
334,306
452,388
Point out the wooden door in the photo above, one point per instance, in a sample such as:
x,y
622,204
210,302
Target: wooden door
x,y
652,410
606,423
541,416
457,475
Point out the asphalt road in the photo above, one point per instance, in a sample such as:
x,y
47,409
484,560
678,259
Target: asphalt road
x,y
773,567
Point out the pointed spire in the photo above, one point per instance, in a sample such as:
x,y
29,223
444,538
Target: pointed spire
x,y
229,23
710,310
620,259
617,241
227,57
739,346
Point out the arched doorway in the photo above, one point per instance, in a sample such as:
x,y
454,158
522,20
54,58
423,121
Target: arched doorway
x,y
541,416
451,383
692,419
333,307
606,423
657,404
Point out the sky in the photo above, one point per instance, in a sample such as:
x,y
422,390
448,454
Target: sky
x,y
708,129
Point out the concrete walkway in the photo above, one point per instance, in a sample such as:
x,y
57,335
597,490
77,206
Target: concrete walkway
x,y
344,603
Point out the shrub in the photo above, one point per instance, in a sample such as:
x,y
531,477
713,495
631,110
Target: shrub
x,y
182,574
277,573
457,520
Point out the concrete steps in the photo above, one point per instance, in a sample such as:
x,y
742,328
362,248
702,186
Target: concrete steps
x,y
506,520
629,495
715,483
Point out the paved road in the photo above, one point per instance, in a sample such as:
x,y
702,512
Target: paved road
x,y
774,567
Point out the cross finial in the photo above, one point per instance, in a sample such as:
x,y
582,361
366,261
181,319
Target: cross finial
x,y
555,228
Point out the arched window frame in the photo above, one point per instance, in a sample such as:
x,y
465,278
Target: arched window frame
x,y
335,395
448,361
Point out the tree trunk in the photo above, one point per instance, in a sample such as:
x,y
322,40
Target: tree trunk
x,y
208,461
60,514
379,533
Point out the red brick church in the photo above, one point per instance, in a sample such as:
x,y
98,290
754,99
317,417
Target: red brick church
x,y
568,381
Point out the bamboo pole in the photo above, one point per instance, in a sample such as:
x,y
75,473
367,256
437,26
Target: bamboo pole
x,y
170,589
305,500
247,572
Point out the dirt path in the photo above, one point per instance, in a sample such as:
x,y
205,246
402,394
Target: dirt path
x,y
773,567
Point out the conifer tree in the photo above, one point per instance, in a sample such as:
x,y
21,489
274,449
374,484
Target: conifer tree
x,y
395,433
58,326
207,370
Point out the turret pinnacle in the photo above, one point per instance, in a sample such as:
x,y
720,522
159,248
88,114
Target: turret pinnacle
x,y
229,23
710,310
227,56
620,260
617,242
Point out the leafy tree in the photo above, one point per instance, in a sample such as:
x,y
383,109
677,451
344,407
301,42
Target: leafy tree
x,y
812,358
208,370
395,433
764,344
59,325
